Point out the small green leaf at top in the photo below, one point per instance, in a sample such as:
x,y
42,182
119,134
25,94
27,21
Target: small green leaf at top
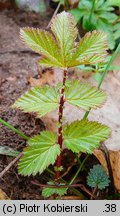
x,y
43,43
64,28
41,152
40,100
84,95
49,191
84,135
60,48
90,49
97,178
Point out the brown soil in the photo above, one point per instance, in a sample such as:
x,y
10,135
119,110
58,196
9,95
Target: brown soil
x,y
16,63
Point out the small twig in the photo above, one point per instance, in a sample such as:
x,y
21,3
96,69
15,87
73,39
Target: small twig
x,y
88,192
107,159
56,11
94,192
25,51
65,186
10,165
69,168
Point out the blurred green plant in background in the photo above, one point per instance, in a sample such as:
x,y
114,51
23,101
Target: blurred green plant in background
x,y
99,15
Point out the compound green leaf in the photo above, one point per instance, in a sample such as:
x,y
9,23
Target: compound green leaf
x,y
84,136
64,28
41,100
84,95
43,43
59,49
42,152
47,192
90,49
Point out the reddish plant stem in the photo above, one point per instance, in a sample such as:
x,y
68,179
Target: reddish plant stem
x,y
60,136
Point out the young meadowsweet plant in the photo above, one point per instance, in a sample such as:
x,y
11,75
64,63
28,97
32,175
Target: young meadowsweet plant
x,y
59,49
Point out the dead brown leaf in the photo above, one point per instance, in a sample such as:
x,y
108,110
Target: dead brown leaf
x,y
3,195
45,77
115,163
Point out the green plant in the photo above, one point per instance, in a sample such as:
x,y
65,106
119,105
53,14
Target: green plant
x,y
99,15
60,50
97,178
99,68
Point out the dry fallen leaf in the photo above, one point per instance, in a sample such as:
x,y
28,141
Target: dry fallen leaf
x,y
115,163
3,195
43,78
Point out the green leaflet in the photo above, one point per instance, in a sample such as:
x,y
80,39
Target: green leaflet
x,y
45,138
46,62
91,44
59,48
43,43
77,13
84,95
42,152
97,177
114,2
93,59
41,100
84,136
117,31
47,192
64,28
